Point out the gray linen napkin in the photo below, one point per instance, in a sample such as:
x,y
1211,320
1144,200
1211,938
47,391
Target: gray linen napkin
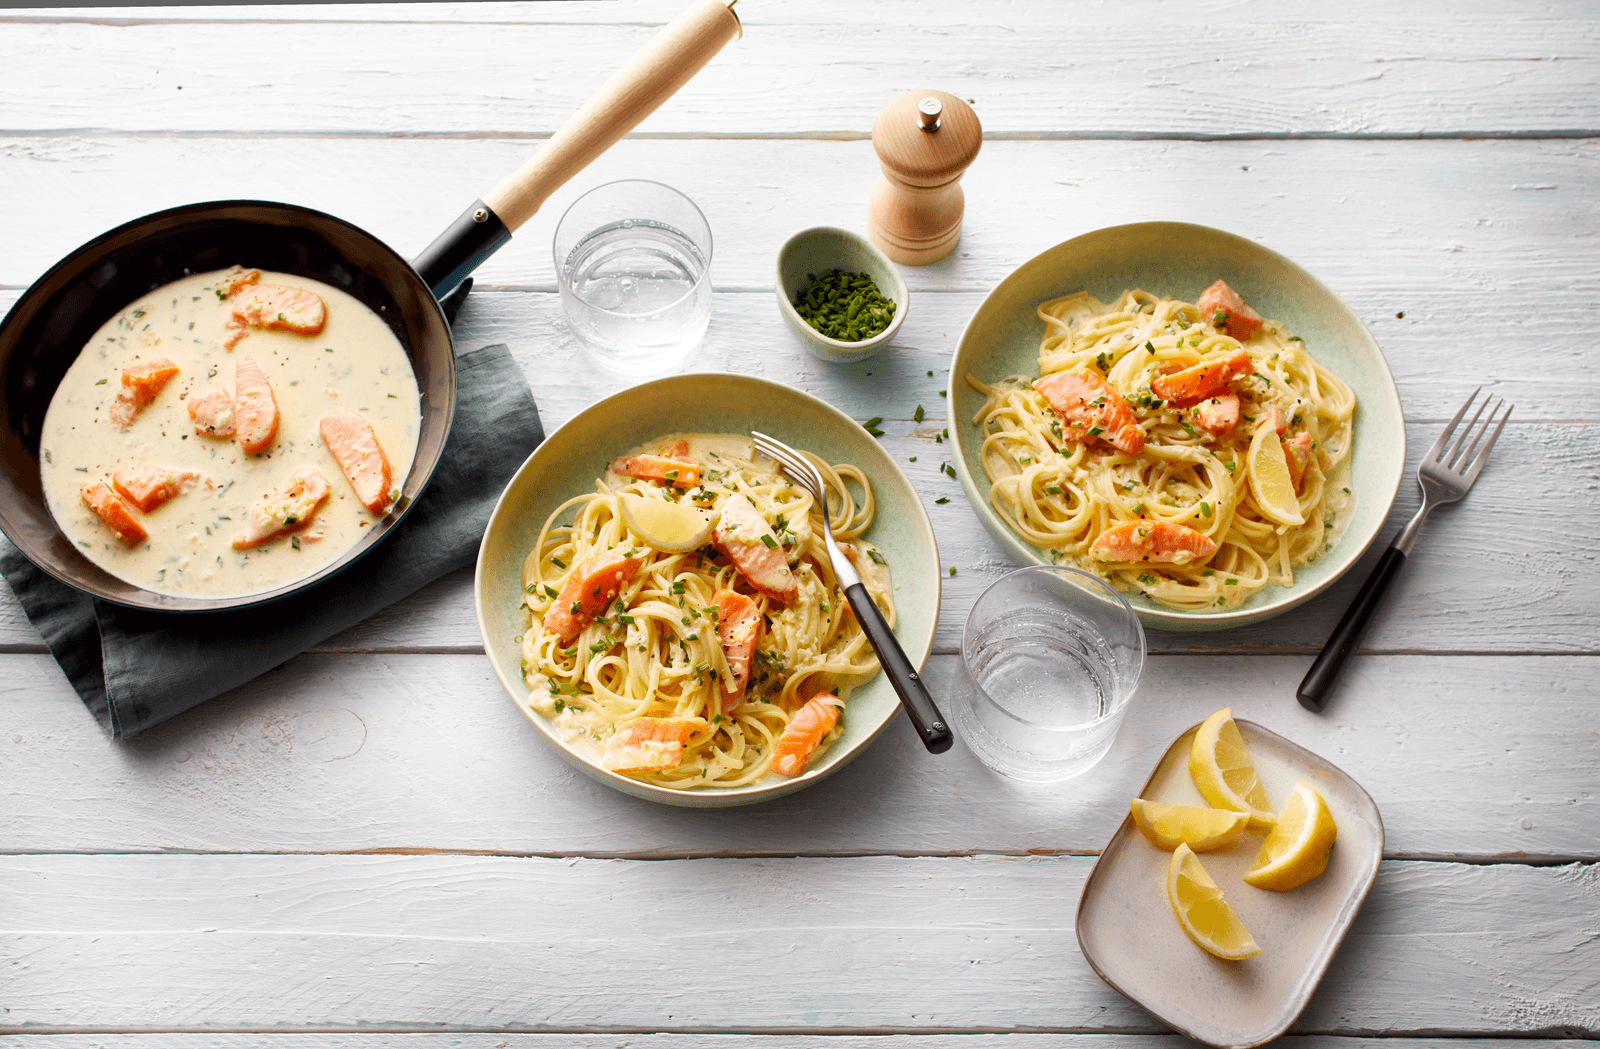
x,y
134,668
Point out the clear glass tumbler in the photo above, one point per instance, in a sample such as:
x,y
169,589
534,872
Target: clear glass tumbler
x,y
634,262
1050,658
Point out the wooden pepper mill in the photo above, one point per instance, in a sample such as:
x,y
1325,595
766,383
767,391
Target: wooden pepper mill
x,y
925,140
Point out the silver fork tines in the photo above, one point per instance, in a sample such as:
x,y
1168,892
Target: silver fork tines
x,y
1446,476
805,474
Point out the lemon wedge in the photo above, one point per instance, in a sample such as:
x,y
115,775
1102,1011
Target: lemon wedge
x,y
669,527
1202,911
1201,829
1297,849
1269,478
1221,766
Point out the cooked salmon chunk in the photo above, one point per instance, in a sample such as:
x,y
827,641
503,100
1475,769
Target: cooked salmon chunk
x,y
804,733
255,410
1090,409
271,306
739,629
1152,542
1190,386
212,413
1221,307
140,384
589,589
744,535
1297,455
679,473
289,509
117,515
350,439
649,744
149,486
1219,414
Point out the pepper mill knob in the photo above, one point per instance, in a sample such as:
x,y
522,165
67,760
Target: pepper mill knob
x,y
925,140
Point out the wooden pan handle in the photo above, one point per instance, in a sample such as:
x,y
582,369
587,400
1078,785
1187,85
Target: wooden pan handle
x,y
651,77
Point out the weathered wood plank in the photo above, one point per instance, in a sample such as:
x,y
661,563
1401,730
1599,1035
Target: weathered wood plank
x,y
1396,223
1019,14
1225,76
1466,757
982,943
411,1038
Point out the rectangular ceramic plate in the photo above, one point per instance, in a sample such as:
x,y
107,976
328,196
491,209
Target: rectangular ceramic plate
x,y
1129,934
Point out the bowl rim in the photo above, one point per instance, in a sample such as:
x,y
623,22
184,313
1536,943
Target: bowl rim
x,y
917,649
902,300
1351,547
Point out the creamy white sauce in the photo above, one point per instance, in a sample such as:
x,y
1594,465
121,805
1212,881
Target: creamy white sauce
x,y
354,363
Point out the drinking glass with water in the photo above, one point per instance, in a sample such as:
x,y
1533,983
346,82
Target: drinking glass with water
x,y
634,262
1050,658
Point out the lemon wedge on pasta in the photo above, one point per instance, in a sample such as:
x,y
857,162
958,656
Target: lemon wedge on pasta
x,y
1269,478
672,528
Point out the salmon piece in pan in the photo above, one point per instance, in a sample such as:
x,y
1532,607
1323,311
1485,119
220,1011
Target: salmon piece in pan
x,y
270,306
350,439
255,410
149,487
140,384
289,509
117,515
212,413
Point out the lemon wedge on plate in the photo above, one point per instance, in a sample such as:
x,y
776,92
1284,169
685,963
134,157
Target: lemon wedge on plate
x,y
1269,478
1221,766
672,528
1297,849
1202,911
1201,829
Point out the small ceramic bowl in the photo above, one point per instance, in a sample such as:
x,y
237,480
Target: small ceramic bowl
x,y
818,250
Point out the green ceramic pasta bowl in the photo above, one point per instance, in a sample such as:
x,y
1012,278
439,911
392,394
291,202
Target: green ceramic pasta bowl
x,y
570,460
1181,260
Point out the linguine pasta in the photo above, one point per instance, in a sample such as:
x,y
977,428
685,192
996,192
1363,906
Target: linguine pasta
x,y
653,654
1061,491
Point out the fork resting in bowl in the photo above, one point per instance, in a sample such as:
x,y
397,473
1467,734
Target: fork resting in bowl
x,y
925,716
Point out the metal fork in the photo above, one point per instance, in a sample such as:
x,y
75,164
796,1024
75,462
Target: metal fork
x,y
1445,476
925,716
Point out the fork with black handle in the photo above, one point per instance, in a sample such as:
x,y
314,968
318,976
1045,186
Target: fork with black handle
x,y
1445,476
925,716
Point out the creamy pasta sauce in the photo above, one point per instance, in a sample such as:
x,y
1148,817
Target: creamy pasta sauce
x,y
354,363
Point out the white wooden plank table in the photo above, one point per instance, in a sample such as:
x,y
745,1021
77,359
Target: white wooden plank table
x,y
368,846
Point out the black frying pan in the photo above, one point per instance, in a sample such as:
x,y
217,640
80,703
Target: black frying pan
x,y
50,324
